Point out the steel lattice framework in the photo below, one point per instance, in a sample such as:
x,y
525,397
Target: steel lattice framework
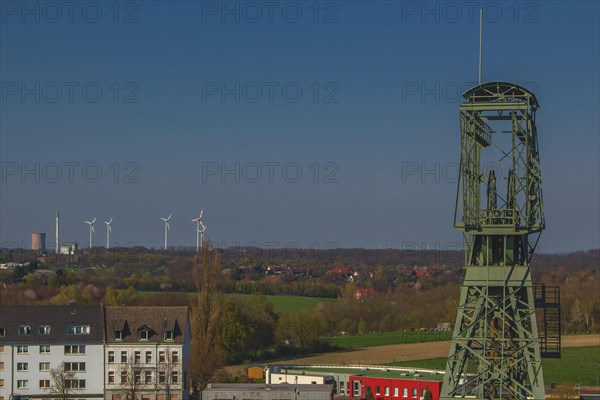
x,y
495,351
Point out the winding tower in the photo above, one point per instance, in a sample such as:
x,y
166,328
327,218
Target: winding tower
x,y
496,347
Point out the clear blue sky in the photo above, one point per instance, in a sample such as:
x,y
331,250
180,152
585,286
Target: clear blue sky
x,y
378,82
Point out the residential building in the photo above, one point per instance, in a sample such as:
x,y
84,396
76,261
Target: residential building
x,y
147,351
35,340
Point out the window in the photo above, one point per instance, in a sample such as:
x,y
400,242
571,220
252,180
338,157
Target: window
x,y
175,357
423,393
405,392
386,391
137,357
44,366
342,390
1,386
414,392
22,349
1,365
74,366
137,376
111,356
75,383
22,366
45,349
2,332
144,334
162,356
44,330
162,377
75,349
111,376
78,330
118,334
377,390
1,348
124,356
22,384
168,335
147,376
148,357
175,377
396,392
24,329
44,383
123,376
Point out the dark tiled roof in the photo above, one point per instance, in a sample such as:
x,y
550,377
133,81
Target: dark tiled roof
x,y
58,318
156,319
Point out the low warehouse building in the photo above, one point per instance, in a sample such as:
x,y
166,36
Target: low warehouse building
x,y
259,391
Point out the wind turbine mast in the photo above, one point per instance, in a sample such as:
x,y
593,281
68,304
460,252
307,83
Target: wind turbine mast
x,y
167,228
200,228
56,228
108,232
91,224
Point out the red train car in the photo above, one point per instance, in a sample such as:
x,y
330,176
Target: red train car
x,y
392,388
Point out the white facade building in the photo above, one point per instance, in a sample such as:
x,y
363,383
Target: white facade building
x,y
147,351
36,340
101,352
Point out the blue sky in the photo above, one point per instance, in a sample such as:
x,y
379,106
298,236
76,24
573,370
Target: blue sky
x,y
150,103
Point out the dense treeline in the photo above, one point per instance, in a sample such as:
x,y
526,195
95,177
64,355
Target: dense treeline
x,y
405,285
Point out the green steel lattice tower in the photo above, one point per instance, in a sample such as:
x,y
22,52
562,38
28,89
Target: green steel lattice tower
x,y
495,350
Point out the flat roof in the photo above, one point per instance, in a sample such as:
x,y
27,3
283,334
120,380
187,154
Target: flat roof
x,y
280,387
388,372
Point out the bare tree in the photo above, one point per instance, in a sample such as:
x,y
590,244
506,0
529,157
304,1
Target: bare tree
x,y
168,375
131,379
62,383
207,357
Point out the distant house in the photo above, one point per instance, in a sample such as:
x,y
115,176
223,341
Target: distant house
x,y
364,293
344,272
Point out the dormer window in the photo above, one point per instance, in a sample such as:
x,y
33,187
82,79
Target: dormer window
x,y
168,335
144,334
78,330
44,329
118,334
24,329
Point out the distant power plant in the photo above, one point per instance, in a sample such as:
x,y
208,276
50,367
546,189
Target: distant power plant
x,y
38,241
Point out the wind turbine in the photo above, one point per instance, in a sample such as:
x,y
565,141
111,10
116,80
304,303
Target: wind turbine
x,y
108,231
166,228
200,228
91,224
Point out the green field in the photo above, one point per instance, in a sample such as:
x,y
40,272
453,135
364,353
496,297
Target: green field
x,y
382,339
281,304
577,365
